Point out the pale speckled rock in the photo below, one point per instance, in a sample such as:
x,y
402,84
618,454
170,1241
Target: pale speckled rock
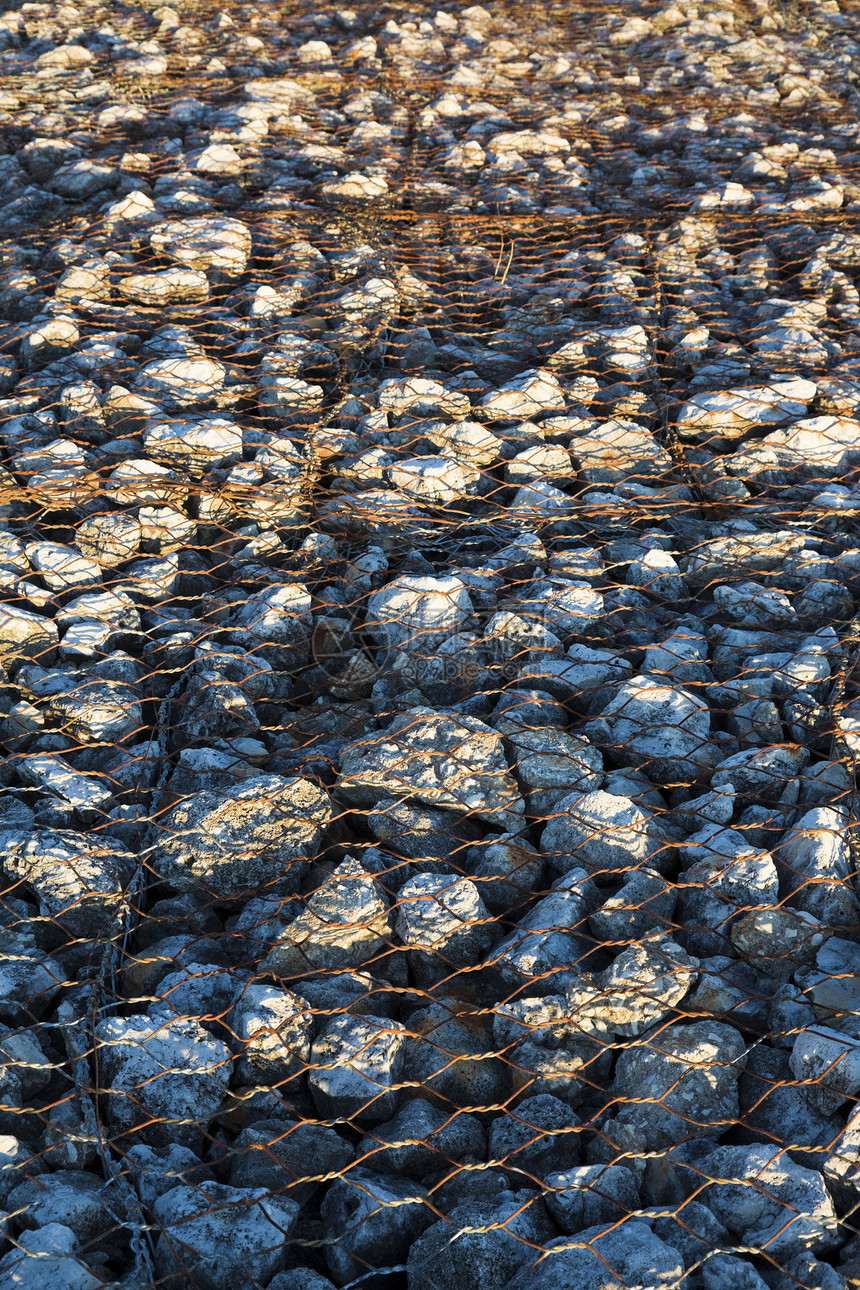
x,y
217,1234
26,635
272,1029
344,923
828,1063
218,247
788,1210
691,1071
355,1063
262,831
78,881
417,613
163,1080
661,728
731,413
444,923
440,758
601,832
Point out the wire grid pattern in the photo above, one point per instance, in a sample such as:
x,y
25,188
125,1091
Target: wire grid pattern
x,y
429,715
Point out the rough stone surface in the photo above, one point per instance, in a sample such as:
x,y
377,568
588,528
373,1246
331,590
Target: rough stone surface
x,y
263,831
429,709
443,759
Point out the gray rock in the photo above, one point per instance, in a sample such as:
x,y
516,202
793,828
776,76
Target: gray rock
x,y
644,985
157,1170
477,1244
356,1064
688,1074
830,984
828,1063
289,1158
824,447
89,796
48,1257
814,859
751,604
732,991
601,832
789,1013
438,838
265,830
97,711
718,890
441,758
372,1220
590,1194
505,870
694,1231
26,635
526,396
732,413
61,568
444,924
215,708
774,1108
840,1164
625,1254
551,764
164,1080
344,923
218,247
70,1197
466,441
804,1269
450,1058
16,1164
79,881
166,287
549,939
561,606
417,614
566,1073
423,1139
193,444
747,553
433,481
618,451
643,906
682,657
272,1030
727,1272
222,1236
286,401
788,1210
524,711
274,624
300,1279
29,979
138,481
108,539
421,398
658,574
535,1137
663,729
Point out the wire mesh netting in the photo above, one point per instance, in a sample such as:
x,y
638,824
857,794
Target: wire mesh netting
x,y
430,549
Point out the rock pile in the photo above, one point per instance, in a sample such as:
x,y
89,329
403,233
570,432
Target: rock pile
x,y
429,531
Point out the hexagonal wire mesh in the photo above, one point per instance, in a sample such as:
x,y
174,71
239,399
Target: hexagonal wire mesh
x,y
430,548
